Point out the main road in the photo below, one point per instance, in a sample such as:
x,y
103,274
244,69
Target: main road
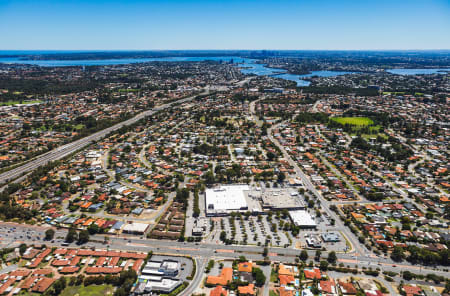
x,y
201,251
67,149
325,203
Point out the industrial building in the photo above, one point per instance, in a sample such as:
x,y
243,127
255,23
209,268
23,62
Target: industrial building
x,y
302,219
331,237
280,199
159,276
162,268
135,228
222,200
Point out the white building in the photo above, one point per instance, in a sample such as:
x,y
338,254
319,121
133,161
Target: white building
x,y
302,219
135,228
225,199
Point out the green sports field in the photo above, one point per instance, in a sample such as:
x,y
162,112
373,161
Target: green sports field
x,y
359,121
10,103
93,290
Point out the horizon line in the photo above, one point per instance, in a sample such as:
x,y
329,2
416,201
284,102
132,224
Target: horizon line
x,y
261,49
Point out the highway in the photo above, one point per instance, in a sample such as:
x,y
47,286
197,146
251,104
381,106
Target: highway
x,y
67,149
19,172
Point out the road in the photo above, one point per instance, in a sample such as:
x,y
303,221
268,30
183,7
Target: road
x,y
67,149
18,173
325,203
200,265
204,251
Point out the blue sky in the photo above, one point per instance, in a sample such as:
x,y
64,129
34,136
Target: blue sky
x,y
259,24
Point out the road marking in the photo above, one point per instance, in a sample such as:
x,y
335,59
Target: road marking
x,y
348,261
135,245
184,249
224,251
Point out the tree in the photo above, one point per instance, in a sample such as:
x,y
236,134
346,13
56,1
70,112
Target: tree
x,y
265,252
332,257
83,237
271,156
223,236
209,178
49,234
318,254
58,286
93,228
259,276
120,292
304,255
281,177
397,254
22,248
323,265
447,287
407,275
71,235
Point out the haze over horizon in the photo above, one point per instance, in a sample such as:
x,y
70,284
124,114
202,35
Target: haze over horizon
x,y
223,25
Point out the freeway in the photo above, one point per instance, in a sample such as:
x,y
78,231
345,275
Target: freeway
x,y
19,172
67,149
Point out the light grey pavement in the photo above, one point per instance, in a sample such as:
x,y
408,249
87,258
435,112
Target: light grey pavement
x,y
204,250
200,264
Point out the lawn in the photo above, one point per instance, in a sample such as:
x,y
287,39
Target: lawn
x,y
393,92
93,290
272,293
374,132
26,293
10,103
359,121
273,276
128,90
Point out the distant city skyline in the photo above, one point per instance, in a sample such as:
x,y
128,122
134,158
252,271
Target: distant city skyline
x,y
223,25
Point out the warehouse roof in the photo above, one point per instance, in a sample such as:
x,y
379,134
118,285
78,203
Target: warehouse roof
x,y
302,218
226,198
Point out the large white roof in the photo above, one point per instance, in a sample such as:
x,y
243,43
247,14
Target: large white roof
x,y
302,218
135,227
226,198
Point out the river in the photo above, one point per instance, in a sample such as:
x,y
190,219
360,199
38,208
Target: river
x,y
248,66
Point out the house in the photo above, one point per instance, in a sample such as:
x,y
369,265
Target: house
x,y
246,290
42,285
286,280
223,279
218,291
312,274
282,291
245,267
328,287
412,290
287,270
347,288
